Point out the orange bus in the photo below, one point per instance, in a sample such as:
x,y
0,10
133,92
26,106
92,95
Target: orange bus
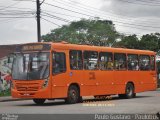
x,y
60,70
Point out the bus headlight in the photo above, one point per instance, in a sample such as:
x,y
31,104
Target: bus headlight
x,y
45,84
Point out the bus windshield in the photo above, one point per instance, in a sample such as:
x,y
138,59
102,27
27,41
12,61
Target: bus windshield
x,y
30,66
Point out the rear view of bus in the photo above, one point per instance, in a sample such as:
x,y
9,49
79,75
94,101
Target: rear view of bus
x,y
31,72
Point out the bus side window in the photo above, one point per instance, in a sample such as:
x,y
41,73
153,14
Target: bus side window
x,y
120,61
76,60
144,62
90,60
105,61
59,62
152,63
133,62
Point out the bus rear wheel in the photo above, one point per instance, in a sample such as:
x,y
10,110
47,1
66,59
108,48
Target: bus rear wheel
x,y
129,92
39,101
73,95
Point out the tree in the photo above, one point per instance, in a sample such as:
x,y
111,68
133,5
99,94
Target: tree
x,y
131,42
146,42
86,31
150,42
101,33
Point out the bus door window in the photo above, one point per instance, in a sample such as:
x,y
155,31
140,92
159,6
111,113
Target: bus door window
x,y
144,61
133,62
59,62
76,60
152,63
120,61
90,60
106,61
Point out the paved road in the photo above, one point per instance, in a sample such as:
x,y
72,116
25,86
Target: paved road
x,y
147,102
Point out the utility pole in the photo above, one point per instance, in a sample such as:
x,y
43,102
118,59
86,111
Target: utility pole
x,y
38,21
38,16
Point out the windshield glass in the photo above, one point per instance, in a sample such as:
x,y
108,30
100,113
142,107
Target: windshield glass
x,y
29,66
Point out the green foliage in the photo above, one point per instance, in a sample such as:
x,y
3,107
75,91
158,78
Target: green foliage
x,y
101,33
131,42
150,42
5,93
146,42
93,32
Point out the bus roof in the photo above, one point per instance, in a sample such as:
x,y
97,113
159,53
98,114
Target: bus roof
x,y
99,48
68,46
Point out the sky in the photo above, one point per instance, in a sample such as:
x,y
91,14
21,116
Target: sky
x,y
18,17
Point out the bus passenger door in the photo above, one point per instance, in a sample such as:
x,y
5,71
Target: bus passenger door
x,y
59,74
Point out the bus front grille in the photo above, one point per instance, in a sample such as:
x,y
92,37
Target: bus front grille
x,y
27,87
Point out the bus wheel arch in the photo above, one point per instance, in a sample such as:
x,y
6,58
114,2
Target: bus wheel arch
x,y
73,94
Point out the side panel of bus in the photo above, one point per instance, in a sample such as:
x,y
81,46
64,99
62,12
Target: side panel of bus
x,y
146,81
98,82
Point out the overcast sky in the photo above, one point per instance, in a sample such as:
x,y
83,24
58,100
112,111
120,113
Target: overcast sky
x,y
129,16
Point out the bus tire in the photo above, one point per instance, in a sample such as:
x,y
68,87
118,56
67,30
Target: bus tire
x,y
121,96
39,101
73,95
134,95
129,92
80,100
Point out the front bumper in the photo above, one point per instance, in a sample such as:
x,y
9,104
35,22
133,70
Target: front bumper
x,y
30,94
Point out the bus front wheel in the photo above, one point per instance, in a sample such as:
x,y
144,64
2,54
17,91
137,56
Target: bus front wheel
x,y
73,95
39,101
129,92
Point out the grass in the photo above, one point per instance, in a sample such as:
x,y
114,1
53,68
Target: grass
x,y
5,93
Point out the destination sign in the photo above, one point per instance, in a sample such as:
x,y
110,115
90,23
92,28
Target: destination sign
x,y
33,47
